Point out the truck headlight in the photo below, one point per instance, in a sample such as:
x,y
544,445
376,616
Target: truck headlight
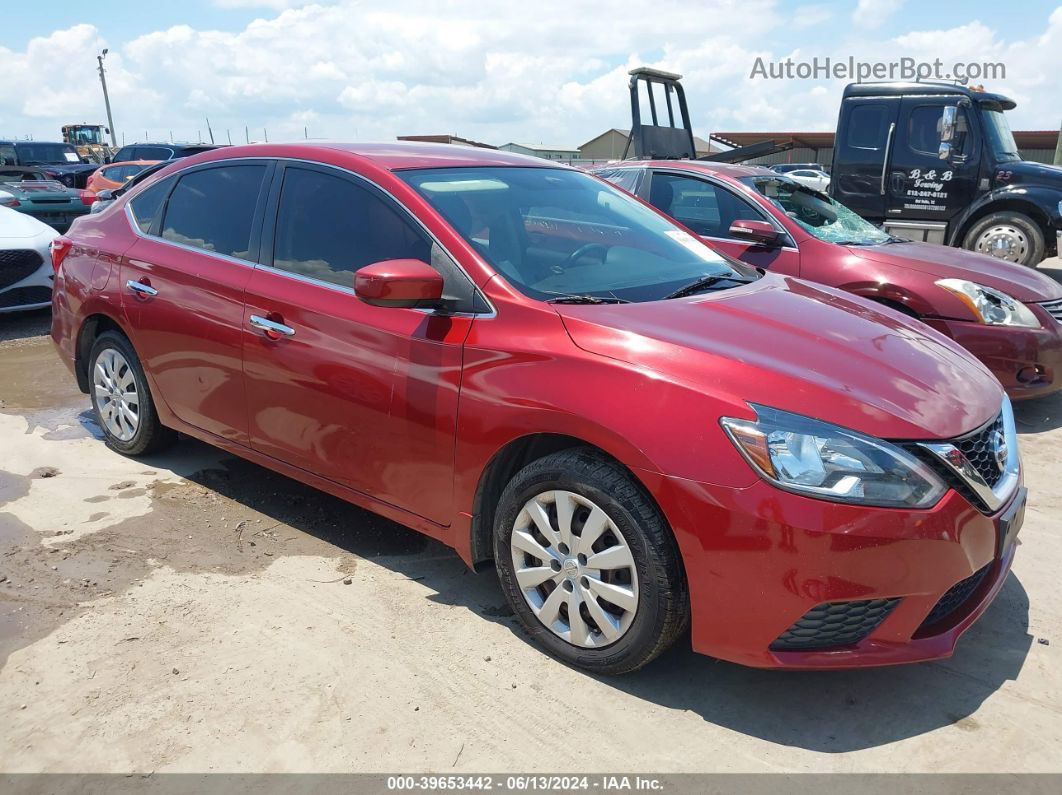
x,y
991,307
817,459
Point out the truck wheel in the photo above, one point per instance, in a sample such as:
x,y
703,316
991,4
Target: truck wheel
x,y
1010,236
588,563
121,399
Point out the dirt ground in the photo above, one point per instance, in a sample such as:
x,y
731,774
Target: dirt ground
x,y
194,612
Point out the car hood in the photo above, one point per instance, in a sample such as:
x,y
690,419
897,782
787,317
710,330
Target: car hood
x,y
804,348
1027,172
944,262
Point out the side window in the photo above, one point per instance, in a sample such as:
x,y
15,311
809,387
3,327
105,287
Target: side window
x,y
626,178
923,133
705,208
145,207
866,126
213,209
124,154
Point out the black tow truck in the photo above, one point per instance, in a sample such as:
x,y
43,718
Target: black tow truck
x,y
937,162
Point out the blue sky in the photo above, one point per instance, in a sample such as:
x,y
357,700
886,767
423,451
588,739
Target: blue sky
x,y
552,71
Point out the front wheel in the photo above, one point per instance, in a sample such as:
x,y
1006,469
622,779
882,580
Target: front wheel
x,y
1009,236
588,563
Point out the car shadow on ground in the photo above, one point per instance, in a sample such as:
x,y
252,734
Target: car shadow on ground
x,y
23,325
827,711
1039,414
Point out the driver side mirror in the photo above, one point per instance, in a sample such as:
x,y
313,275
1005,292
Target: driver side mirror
x,y
755,231
105,195
948,121
400,283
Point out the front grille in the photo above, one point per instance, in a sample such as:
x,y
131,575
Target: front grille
x,y
835,624
979,449
25,296
18,263
1054,308
954,598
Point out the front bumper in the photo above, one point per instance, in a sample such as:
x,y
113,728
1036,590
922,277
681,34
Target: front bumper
x,y
758,559
1027,361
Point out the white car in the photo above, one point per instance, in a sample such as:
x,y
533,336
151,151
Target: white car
x,y
811,177
25,261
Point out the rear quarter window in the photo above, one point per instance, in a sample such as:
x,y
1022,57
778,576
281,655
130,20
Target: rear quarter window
x,y
145,206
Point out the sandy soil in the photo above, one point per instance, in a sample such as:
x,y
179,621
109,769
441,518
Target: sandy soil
x,y
193,612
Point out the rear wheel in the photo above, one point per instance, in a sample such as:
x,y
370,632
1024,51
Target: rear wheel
x,y
588,563
1010,236
121,400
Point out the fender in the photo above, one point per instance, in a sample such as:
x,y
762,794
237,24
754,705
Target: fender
x,y
1040,201
888,293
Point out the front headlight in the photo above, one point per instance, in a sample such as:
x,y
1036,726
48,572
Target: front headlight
x,y
817,459
992,307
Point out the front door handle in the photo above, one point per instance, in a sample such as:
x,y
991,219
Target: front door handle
x,y
141,289
272,329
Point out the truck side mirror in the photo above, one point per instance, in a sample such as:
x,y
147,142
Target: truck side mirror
x,y
947,131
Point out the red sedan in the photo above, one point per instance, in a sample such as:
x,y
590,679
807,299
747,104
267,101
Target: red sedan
x,y
1009,316
524,362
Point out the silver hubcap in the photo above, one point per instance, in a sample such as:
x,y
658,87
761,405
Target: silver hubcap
x,y
574,568
117,401
1004,241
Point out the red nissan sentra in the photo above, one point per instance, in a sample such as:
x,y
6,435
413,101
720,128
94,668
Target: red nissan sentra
x,y
526,363
1008,315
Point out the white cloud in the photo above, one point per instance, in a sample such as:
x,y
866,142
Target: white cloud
x,y
554,72
810,16
872,14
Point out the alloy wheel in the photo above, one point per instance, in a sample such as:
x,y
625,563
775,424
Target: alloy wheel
x,y
574,568
117,399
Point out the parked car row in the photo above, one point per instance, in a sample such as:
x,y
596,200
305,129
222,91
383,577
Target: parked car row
x,y
643,429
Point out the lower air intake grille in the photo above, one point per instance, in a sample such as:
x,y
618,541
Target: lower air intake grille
x,y
16,264
954,598
835,624
25,296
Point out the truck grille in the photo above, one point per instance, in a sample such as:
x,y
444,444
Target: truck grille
x,y
835,624
16,264
954,598
1054,308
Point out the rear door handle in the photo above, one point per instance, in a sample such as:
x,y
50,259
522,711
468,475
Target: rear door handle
x,y
141,288
271,328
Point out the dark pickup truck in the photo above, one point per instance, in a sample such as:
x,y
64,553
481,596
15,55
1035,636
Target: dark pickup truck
x,y
937,162
57,160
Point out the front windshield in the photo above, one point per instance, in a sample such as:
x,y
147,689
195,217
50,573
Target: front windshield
x,y
553,233
817,213
1000,138
46,154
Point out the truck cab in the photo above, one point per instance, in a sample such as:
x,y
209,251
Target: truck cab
x,y
937,162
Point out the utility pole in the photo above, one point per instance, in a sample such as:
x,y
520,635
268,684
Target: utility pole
x,y
106,98
210,132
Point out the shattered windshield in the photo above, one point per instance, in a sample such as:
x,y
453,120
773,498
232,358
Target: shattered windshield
x,y
817,213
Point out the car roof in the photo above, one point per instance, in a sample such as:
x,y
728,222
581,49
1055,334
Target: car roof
x,y
132,163
393,156
732,170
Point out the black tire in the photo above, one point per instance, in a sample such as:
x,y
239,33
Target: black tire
x,y
1023,224
662,611
151,435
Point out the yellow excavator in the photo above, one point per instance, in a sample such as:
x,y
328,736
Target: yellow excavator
x,y
89,140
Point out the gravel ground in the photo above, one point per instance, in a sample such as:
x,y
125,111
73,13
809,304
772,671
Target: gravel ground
x,y
194,612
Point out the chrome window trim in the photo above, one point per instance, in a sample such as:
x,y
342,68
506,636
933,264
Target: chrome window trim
x,y
995,497
298,276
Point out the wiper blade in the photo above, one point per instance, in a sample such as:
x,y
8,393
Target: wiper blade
x,y
585,299
705,283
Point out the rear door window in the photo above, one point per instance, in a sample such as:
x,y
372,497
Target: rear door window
x,y
213,209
